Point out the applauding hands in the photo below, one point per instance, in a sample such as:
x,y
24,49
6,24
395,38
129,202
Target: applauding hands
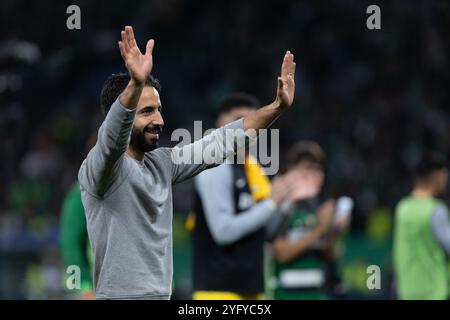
x,y
296,185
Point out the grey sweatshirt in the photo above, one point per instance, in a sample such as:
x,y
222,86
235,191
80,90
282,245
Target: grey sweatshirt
x,y
128,205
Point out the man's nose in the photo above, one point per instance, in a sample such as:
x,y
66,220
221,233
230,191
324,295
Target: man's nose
x,y
159,120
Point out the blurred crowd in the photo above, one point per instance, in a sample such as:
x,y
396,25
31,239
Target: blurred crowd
x,y
374,99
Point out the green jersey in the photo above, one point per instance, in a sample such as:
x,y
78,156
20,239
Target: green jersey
x,y
420,263
74,241
304,277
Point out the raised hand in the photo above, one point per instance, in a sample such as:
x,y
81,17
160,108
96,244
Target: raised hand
x,y
296,185
139,65
304,185
279,189
286,82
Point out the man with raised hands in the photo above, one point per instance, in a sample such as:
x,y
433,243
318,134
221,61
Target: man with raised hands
x,y
126,180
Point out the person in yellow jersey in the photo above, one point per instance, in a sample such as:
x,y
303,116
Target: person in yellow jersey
x,y
233,203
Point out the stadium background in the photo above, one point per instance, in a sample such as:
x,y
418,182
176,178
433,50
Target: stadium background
x,y
375,100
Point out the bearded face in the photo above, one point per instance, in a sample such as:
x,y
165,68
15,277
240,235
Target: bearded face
x,y
148,121
145,139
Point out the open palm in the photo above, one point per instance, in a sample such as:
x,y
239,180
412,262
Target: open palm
x,y
139,65
286,82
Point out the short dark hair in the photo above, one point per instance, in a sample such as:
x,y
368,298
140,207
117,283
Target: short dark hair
x,y
237,99
306,151
429,163
114,86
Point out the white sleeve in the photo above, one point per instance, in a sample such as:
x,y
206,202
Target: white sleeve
x,y
440,226
215,188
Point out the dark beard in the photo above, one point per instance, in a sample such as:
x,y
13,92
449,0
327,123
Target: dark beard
x,y
141,144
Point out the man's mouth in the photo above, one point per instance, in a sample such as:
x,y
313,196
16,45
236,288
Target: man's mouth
x,y
153,133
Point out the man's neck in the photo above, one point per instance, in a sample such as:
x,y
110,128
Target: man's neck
x,y
135,154
423,192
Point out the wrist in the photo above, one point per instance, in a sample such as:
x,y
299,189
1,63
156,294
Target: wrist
x,y
137,83
276,199
276,103
278,106
129,98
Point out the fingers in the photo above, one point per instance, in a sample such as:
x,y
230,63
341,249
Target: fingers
x,y
293,176
122,49
149,47
288,182
302,185
295,186
288,66
130,35
128,39
293,65
280,84
126,46
284,67
129,43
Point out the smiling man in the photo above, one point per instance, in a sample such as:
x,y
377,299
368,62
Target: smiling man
x,y
126,181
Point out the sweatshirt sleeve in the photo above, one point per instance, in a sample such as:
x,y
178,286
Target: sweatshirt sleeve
x,y
440,226
101,167
215,188
210,151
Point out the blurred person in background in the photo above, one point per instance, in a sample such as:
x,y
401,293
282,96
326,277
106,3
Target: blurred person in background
x,y
422,234
126,180
74,240
233,203
304,248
